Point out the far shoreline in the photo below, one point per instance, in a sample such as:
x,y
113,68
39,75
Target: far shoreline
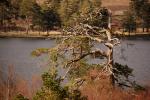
x,y
58,34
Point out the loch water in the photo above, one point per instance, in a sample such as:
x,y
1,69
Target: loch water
x,y
16,52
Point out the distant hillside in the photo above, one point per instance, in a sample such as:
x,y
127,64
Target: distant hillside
x,y
115,2
105,2
116,5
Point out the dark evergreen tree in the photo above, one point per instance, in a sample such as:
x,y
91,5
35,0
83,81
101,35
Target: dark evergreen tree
x,y
140,8
26,7
50,19
129,22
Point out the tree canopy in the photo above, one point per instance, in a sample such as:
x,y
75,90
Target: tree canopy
x,y
140,9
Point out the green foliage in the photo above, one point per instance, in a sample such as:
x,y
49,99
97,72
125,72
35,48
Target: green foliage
x,y
122,76
141,9
50,19
20,97
5,2
138,87
137,6
67,9
96,3
146,15
75,11
37,15
39,51
85,7
26,7
129,22
121,70
53,55
15,7
96,17
9,9
52,4
53,90
54,86
44,17
5,12
55,12
79,70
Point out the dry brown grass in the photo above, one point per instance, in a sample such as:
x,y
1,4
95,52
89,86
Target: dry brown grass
x,y
102,90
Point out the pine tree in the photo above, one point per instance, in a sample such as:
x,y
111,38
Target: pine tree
x,y
129,22
53,4
96,4
68,10
26,11
141,10
5,13
85,7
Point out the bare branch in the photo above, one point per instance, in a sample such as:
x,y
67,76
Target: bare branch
x,y
90,53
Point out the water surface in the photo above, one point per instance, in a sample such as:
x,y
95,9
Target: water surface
x,y
17,52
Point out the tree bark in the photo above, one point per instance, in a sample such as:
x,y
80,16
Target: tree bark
x,y
147,29
27,21
143,29
112,79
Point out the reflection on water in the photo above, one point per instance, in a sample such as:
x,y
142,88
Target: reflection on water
x,y
122,55
135,54
16,52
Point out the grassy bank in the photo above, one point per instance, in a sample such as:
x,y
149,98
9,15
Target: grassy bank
x,y
57,34
32,34
126,35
